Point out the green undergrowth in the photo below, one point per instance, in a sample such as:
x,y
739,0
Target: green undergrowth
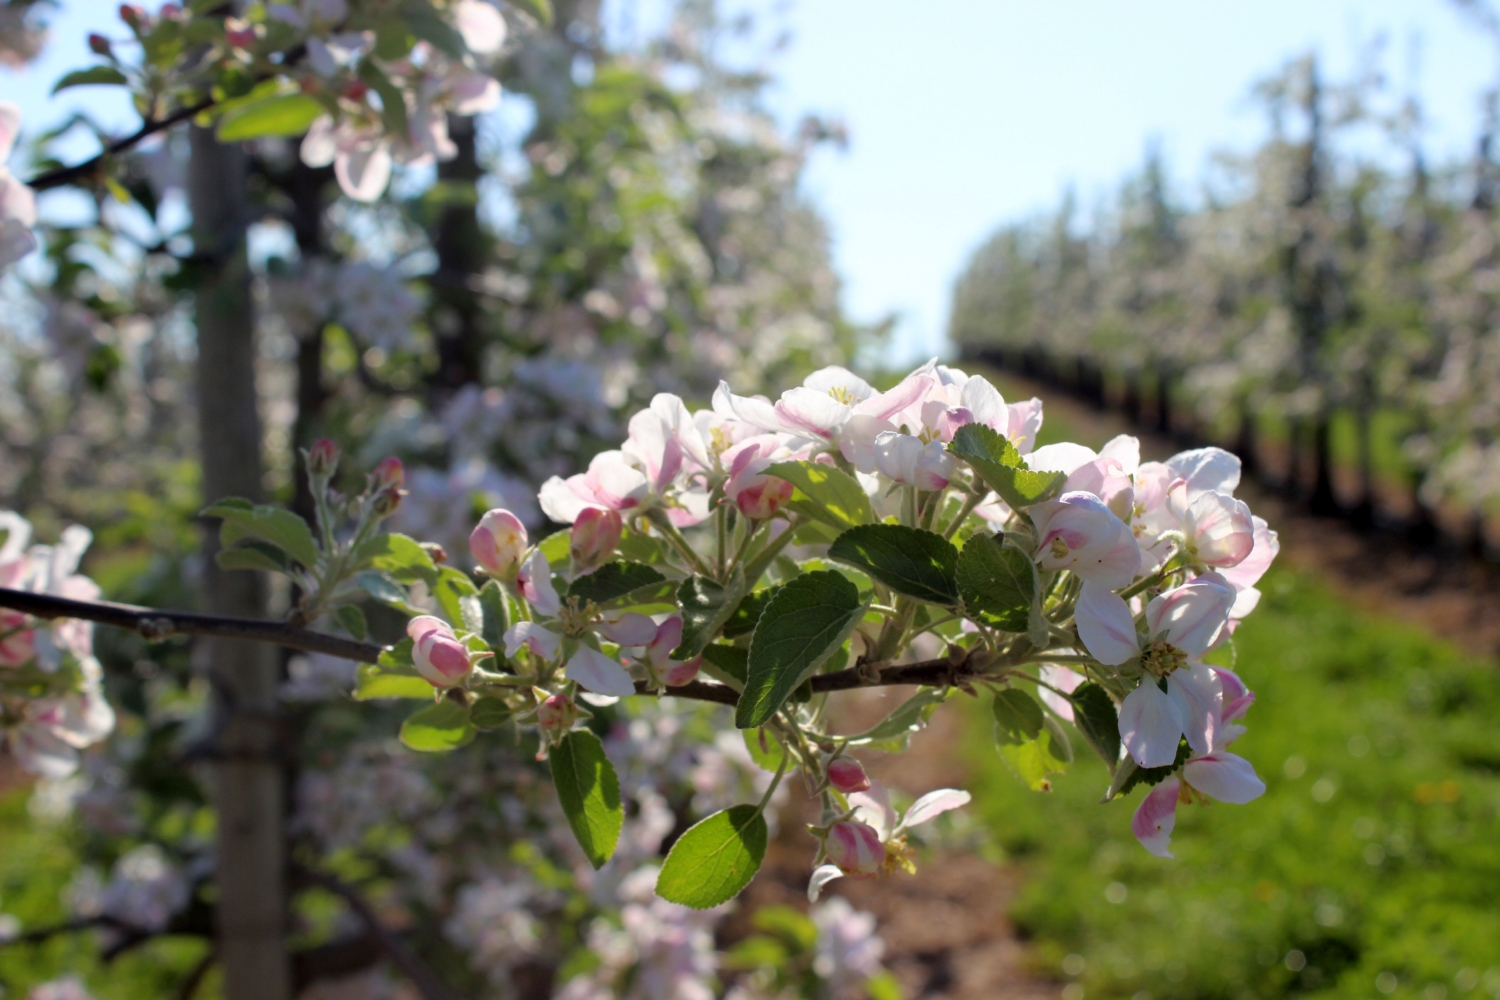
x,y
37,865
1371,866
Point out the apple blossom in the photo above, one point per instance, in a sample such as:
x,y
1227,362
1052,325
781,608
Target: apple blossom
x,y
1078,532
437,654
498,543
595,536
855,848
848,775
17,203
757,495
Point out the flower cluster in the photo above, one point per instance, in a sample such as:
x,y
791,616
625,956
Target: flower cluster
x,y
51,685
372,303
761,551
17,203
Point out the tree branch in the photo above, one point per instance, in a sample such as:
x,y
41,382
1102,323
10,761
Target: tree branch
x,y
157,625
79,171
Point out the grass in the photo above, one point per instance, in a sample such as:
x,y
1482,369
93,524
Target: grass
x,y
1371,864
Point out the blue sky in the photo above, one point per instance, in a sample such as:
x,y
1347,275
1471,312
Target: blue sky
x,y
965,114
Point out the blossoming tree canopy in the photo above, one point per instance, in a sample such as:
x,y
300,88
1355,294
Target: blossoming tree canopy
x,y
768,555
368,85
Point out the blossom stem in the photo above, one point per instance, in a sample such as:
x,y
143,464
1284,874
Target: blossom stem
x,y
970,502
763,559
674,537
771,788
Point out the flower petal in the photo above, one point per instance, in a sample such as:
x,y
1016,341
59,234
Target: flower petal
x,y
1224,776
1155,818
933,804
821,876
597,672
1105,625
1151,725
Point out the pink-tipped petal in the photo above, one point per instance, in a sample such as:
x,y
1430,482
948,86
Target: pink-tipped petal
x,y
1155,818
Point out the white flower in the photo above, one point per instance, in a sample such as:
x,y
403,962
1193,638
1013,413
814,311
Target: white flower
x,y
17,203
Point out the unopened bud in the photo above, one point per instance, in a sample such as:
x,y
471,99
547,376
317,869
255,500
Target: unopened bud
x,y
437,654
239,33
355,90
498,543
848,775
762,497
678,674
856,848
389,473
322,459
435,552
133,14
170,11
99,45
595,536
556,715
386,502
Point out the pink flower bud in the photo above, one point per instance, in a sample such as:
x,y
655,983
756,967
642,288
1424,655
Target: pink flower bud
x,y
390,472
133,14
322,457
99,45
170,11
856,848
677,674
556,715
596,535
498,543
848,775
437,654
239,32
356,90
668,638
763,497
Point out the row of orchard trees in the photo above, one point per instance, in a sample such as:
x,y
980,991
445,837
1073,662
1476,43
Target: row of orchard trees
x,y
329,242
1333,274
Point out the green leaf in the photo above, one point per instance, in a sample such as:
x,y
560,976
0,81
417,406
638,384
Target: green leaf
x,y
392,101
765,749
909,717
1062,747
93,76
1153,776
489,713
825,493
726,663
1095,717
495,609
997,583
556,548
589,792
438,728
910,561
1002,468
742,622
280,527
459,598
804,624
250,554
786,923
884,986
613,581
706,606
386,591
392,676
424,22
398,555
353,621
280,115
715,859
1018,716
540,10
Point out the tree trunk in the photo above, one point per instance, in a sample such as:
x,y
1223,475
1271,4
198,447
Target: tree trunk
x,y
305,187
461,248
247,782
1292,485
1131,399
1164,401
1323,501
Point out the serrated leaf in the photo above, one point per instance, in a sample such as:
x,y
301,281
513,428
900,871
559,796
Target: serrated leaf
x,y
252,555
909,717
402,557
742,622
1095,717
438,728
1018,716
613,581
706,606
93,76
353,621
765,749
726,663
589,792
715,859
825,493
280,527
490,713
278,115
917,563
997,583
1002,468
804,624
391,676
